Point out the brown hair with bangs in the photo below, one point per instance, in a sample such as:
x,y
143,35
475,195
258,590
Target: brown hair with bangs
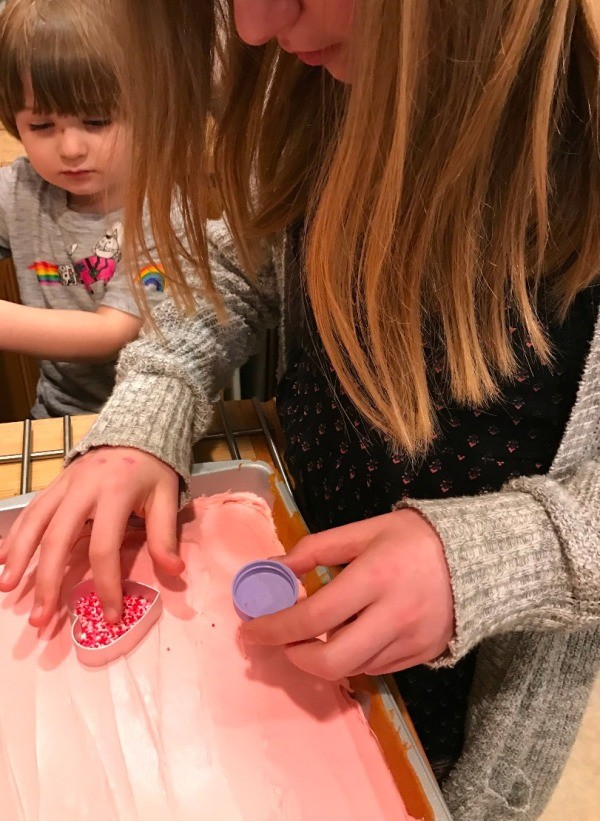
x,y
67,50
459,170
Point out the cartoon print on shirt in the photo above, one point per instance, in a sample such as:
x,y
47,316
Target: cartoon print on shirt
x,y
101,265
68,275
46,272
153,278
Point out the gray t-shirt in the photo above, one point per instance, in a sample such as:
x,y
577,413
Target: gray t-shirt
x,y
64,259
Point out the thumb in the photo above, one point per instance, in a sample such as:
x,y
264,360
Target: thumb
x,y
161,530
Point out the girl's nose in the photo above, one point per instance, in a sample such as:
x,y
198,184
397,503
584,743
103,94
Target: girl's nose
x,y
72,143
258,21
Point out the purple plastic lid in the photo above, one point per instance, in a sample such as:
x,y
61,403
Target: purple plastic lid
x,y
263,587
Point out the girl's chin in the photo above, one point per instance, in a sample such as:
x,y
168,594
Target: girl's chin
x,y
340,70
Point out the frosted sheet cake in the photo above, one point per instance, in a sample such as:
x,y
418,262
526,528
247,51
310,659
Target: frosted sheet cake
x,y
189,725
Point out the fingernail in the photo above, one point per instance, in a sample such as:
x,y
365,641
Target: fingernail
x,y
111,615
37,612
5,576
177,562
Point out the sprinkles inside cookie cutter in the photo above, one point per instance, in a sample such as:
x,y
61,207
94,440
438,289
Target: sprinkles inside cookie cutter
x,y
124,644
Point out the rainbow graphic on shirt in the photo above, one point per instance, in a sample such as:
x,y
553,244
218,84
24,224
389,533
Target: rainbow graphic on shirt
x,y
153,276
46,273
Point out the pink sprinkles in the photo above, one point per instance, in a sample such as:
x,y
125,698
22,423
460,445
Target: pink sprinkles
x,y
95,630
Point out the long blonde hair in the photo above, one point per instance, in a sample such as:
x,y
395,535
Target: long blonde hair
x,y
458,170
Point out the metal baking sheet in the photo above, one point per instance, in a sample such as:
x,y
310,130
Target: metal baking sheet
x,y
258,477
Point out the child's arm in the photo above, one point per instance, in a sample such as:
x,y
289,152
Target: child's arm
x,y
161,404
65,335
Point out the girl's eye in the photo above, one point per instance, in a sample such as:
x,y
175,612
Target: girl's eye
x,y
97,123
40,126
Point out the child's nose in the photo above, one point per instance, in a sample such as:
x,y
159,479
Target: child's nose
x,y
72,144
258,21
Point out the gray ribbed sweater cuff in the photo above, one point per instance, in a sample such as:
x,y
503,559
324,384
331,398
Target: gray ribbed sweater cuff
x,y
503,578
163,429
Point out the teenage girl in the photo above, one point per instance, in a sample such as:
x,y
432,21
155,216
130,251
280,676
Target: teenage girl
x,y
415,187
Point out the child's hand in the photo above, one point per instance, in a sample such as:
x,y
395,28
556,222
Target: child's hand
x,y
106,485
389,609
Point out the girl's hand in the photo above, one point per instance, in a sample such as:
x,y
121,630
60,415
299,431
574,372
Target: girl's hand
x,y
107,485
389,609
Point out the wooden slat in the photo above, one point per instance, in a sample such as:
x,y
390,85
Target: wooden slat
x,y
47,434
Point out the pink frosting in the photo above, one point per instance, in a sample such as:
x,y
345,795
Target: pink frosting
x,y
188,725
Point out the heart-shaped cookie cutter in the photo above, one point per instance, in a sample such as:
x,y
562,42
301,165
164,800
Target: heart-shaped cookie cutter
x,y
99,656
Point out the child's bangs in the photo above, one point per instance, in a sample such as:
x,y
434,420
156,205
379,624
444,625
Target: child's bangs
x,y
73,85
65,50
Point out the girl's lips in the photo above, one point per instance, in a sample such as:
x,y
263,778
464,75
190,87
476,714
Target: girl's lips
x,y
317,58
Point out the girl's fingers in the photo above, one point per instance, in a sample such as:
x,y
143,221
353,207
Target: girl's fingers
x,y
24,536
399,655
55,547
55,517
339,545
394,665
108,532
325,610
389,660
349,649
161,528
390,663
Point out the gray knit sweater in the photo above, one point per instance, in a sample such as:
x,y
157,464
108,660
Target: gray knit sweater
x,y
525,562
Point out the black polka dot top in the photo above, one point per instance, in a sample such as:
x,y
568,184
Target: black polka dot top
x,y
344,472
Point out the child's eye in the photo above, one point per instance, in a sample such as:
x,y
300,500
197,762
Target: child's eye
x,y
40,126
97,123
